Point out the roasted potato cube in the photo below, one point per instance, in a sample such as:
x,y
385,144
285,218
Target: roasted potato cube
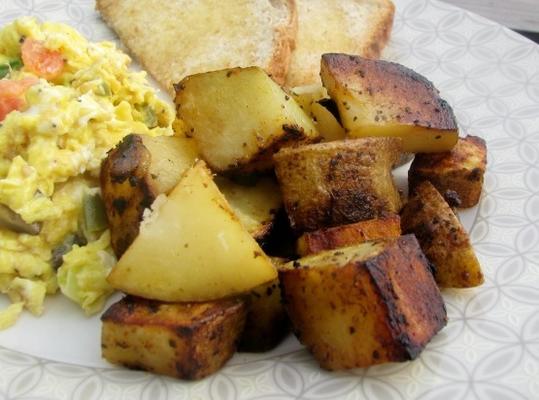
x,y
192,247
134,173
380,98
363,305
183,340
460,170
240,117
266,323
348,235
442,237
336,183
255,204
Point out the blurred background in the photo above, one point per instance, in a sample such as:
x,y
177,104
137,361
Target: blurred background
x,y
519,15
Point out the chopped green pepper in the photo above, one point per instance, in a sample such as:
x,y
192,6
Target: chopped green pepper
x,y
9,66
103,89
94,217
148,113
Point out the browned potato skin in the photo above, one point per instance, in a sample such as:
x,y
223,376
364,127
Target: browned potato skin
x,y
182,340
442,237
392,83
267,323
293,135
462,170
127,189
348,235
134,173
383,308
336,183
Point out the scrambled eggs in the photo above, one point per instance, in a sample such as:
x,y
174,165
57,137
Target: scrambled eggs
x,y
64,102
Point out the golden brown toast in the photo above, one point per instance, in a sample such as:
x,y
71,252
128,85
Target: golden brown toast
x,y
346,26
176,38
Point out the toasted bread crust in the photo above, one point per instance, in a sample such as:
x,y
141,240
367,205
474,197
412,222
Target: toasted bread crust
x,y
285,41
382,31
169,65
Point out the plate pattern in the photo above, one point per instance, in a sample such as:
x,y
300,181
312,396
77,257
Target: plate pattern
x,y
490,348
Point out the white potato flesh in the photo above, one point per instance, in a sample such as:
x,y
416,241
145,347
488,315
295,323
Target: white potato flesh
x,y
192,248
239,117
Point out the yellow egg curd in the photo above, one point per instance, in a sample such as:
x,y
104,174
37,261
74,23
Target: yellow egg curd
x,y
50,156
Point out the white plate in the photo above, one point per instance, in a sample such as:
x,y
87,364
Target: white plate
x,y
490,347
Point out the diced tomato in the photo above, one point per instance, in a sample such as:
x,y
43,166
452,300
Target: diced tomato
x,y
11,95
41,61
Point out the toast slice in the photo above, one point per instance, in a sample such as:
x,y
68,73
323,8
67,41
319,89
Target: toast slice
x,y
359,27
176,38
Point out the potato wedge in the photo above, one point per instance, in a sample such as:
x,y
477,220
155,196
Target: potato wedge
x,y
311,99
348,235
256,205
442,237
308,95
336,183
460,170
380,98
192,247
142,167
239,117
330,129
134,173
363,305
182,340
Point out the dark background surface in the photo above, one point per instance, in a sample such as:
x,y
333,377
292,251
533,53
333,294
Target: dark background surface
x,y
530,35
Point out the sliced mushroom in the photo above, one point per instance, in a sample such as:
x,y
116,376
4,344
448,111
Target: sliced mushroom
x,y
9,219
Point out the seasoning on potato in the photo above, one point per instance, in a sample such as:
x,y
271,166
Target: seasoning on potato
x,y
363,305
348,235
336,183
442,237
461,170
380,98
183,340
239,117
